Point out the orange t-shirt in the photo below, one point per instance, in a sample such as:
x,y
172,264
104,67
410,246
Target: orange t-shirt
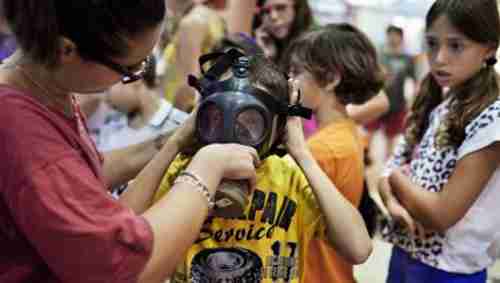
x,y
338,148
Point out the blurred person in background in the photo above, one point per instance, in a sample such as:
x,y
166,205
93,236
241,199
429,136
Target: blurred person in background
x,y
283,21
129,125
194,29
398,67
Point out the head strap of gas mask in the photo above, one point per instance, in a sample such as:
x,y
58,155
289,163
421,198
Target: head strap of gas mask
x,y
210,83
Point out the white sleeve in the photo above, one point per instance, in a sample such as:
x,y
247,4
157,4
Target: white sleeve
x,y
170,119
482,131
400,157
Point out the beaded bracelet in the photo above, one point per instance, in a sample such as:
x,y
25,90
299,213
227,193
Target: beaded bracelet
x,y
190,178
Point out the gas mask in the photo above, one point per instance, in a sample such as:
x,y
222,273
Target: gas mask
x,y
233,111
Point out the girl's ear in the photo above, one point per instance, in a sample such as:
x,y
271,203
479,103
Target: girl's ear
x,y
331,86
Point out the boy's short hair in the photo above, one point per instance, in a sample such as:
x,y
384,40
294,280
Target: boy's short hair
x,y
265,74
342,49
394,29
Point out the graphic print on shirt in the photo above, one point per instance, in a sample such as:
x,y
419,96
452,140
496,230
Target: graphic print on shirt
x,y
226,265
272,235
237,264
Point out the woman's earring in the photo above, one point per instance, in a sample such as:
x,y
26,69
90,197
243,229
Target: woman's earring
x,y
491,61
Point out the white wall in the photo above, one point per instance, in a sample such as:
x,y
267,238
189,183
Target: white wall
x,y
374,19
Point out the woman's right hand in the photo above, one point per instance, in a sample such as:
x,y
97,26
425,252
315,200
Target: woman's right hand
x,y
266,42
215,162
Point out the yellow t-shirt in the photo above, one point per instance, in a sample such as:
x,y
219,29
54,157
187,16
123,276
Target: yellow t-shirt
x,y
338,149
269,243
215,31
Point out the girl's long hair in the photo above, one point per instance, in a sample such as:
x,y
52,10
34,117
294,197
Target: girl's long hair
x,y
479,21
302,22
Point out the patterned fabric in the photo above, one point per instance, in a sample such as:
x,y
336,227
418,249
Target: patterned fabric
x,y
473,243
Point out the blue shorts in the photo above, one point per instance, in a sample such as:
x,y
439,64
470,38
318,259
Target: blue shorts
x,y
405,269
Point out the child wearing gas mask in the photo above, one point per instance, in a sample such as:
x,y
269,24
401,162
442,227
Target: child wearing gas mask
x,y
335,66
288,207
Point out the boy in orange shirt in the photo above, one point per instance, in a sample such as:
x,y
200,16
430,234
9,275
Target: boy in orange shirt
x,y
335,65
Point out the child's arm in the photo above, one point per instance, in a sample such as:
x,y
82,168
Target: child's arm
x,y
391,208
346,229
370,110
440,211
240,15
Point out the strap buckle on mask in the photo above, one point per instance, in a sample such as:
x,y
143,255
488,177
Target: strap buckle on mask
x,y
223,61
297,109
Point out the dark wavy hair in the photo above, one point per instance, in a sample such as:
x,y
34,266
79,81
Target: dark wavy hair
x,y
97,27
338,48
479,21
302,22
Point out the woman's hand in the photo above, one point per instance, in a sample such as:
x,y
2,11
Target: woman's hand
x,y
225,161
266,42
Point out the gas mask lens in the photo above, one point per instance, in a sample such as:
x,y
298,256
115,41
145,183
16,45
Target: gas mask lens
x,y
212,123
250,127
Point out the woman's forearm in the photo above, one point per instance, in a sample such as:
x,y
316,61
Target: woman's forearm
x,y
122,165
141,191
187,209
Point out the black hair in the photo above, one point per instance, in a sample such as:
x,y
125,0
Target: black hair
x,y
302,22
266,74
97,27
394,29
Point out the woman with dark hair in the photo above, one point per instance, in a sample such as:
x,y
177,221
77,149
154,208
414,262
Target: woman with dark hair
x,y
58,222
445,173
283,21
